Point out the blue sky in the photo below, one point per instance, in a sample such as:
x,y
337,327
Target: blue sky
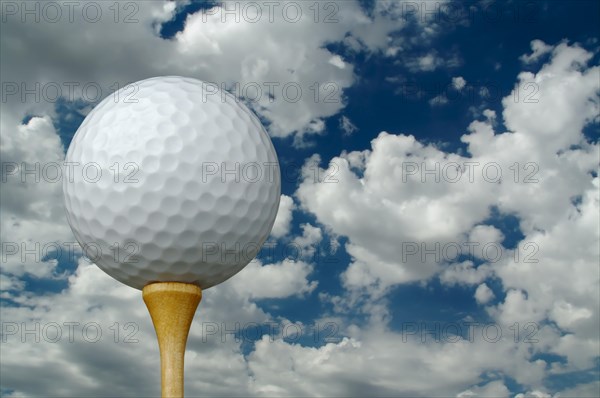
x,y
360,264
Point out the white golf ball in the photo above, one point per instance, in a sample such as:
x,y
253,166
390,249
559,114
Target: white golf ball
x,y
171,180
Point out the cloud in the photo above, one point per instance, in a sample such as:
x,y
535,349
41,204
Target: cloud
x,y
396,194
534,394
495,389
583,390
375,203
283,221
426,63
280,280
465,273
347,126
539,49
432,61
281,68
485,234
8,283
392,209
490,115
98,324
458,83
439,100
308,243
32,215
368,363
483,294
394,185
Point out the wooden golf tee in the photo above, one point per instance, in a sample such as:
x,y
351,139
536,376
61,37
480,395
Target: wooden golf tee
x,y
172,306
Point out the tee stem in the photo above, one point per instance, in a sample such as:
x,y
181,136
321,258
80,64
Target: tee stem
x,y
172,306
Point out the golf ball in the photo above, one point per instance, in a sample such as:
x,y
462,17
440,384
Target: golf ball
x,y
171,180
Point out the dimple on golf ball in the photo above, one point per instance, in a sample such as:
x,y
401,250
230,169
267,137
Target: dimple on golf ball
x,y
171,180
